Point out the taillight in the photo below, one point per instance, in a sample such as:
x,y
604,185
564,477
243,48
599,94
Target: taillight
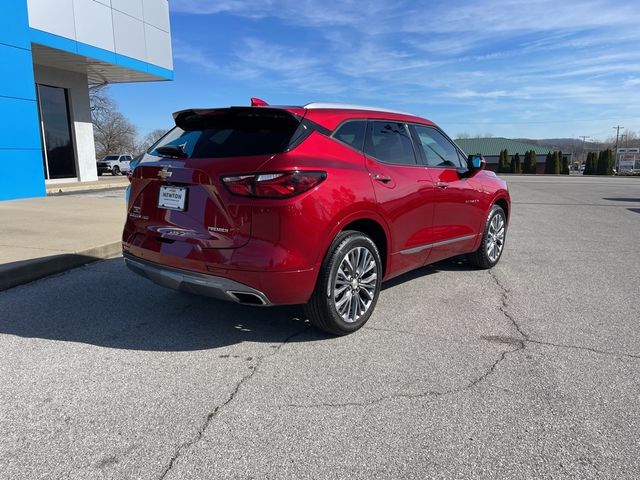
x,y
273,185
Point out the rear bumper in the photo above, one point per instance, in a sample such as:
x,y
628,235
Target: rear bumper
x,y
198,283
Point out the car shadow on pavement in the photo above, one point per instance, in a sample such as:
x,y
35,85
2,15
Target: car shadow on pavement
x,y
105,304
623,199
450,265
634,210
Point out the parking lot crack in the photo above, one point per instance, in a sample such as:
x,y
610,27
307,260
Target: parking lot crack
x,y
504,308
586,349
526,338
367,403
216,411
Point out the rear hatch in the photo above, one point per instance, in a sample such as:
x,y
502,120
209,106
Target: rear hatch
x,y
177,194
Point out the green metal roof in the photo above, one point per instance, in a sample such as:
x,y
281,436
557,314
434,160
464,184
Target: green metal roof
x,y
493,146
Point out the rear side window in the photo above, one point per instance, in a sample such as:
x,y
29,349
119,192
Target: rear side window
x,y
438,151
352,133
389,142
233,133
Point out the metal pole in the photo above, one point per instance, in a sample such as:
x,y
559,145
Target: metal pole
x,y
584,149
616,151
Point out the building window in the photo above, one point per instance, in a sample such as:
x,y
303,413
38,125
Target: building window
x,y
55,122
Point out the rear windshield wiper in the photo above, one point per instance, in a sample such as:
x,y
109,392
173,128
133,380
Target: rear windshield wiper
x,y
176,151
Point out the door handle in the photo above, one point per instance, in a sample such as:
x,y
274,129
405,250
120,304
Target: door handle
x,y
442,185
382,178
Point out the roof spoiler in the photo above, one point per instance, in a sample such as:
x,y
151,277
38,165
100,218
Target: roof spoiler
x,y
197,118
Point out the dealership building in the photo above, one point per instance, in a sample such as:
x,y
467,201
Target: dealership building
x,y
51,51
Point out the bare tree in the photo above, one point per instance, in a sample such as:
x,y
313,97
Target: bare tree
x,y
462,135
628,138
149,139
112,132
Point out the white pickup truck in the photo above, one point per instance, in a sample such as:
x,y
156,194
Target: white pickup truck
x,y
114,164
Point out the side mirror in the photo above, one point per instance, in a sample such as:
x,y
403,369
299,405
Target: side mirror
x,y
476,162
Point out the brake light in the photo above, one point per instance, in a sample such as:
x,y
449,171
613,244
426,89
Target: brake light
x,y
273,185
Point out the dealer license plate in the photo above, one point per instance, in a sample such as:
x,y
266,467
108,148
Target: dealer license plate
x,y
172,198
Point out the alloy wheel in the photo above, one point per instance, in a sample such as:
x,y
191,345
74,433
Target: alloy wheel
x,y
495,237
355,284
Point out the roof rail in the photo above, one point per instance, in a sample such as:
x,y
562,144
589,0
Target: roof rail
x,y
348,106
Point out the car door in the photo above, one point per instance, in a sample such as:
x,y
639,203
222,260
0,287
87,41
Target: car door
x,y
458,199
404,191
125,161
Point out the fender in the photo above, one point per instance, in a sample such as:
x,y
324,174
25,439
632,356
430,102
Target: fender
x,y
340,222
501,194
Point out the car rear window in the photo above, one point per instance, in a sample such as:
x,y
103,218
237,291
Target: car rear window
x,y
233,133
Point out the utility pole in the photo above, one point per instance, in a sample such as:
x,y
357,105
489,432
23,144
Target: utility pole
x,y
616,151
584,152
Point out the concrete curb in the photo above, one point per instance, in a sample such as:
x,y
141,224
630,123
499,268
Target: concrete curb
x,y
118,182
25,271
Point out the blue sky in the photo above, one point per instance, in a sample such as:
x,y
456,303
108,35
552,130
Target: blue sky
x,y
534,68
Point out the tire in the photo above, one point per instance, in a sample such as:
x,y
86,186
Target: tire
x,y
115,171
342,301
493,239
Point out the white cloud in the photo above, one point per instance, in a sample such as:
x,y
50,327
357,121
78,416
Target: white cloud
x,y
493,57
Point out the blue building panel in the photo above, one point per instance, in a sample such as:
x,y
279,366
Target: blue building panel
x,y
22,174
16,18
52,40
20,146
21,124
95,52
160,72
16,73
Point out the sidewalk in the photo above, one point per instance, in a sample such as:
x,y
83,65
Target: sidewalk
x,y
103,182
44,236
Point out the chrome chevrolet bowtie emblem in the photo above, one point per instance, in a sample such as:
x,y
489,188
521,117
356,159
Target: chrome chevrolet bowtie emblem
x,y
164,173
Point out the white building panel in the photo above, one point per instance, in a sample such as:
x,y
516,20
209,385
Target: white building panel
x,y
158,47
129,36
134,28
53,17
156,13
130,7
94,24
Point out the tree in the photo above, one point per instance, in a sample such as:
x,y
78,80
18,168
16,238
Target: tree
x,y
503,165
556,163
462,135
112,132
149,139
533,167
593,164
515,164
605,162
527,162
548,164
588,164
565,165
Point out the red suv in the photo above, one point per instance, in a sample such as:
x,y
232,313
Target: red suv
x,y
313,205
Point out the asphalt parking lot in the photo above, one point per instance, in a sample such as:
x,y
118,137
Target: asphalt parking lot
x,y
530,370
